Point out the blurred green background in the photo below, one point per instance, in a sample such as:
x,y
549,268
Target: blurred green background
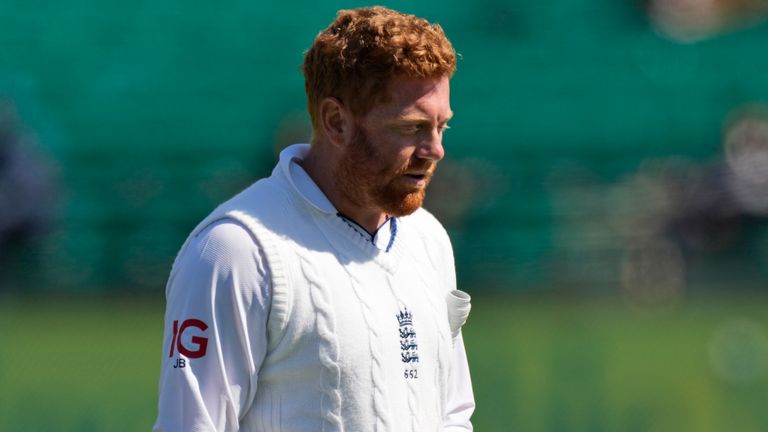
x,y
606,190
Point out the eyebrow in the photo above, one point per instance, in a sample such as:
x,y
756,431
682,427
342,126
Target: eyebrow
x,y
416,118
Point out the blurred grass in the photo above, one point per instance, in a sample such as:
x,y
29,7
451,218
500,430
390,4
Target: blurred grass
x,y
79,366
539,364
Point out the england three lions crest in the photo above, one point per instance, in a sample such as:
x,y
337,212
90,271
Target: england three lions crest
x,y
409,348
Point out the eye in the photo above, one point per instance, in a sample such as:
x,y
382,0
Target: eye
x,y
442,128
411,129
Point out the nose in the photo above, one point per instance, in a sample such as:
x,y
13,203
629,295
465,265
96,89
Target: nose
x,y
432,147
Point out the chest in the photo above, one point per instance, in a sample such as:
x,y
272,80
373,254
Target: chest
x,y
388,324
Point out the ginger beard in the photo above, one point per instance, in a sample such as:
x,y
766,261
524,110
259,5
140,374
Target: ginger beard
x,y
369,178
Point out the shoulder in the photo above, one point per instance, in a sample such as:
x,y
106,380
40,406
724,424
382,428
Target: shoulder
x,y
222,254
224,245
264,197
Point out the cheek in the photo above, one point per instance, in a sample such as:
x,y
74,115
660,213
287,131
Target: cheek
x,y
391,154
399,162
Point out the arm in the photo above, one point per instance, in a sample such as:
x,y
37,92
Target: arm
x,y
461,400
218,301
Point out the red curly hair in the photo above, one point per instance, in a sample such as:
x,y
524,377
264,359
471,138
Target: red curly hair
x,y
354,58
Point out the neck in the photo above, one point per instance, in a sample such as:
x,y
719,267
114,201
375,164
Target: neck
x,y
320,166
369,221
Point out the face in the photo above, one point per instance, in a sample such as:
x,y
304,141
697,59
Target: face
x,y
395,147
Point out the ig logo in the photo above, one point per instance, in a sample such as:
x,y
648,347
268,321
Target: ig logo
x,y
201,343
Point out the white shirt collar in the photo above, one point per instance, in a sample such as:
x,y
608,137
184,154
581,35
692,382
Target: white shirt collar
x,y
300,180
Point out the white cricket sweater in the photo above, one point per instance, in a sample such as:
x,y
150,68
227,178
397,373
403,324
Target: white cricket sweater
x,y
357,339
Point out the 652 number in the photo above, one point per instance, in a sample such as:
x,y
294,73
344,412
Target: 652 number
x,y
411,373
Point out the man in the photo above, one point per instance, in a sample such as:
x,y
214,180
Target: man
x,y
323,297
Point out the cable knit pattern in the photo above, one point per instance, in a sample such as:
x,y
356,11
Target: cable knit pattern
x,y
381,410
374,340
329,349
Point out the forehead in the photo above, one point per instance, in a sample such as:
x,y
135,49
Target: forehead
x,y
408,96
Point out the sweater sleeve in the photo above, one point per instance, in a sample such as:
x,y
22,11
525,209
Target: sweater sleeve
x,y
215,338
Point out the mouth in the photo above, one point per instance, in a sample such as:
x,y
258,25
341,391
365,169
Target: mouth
x,y
416,180
417,176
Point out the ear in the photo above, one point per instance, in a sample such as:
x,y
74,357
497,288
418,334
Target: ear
x,y
335,121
